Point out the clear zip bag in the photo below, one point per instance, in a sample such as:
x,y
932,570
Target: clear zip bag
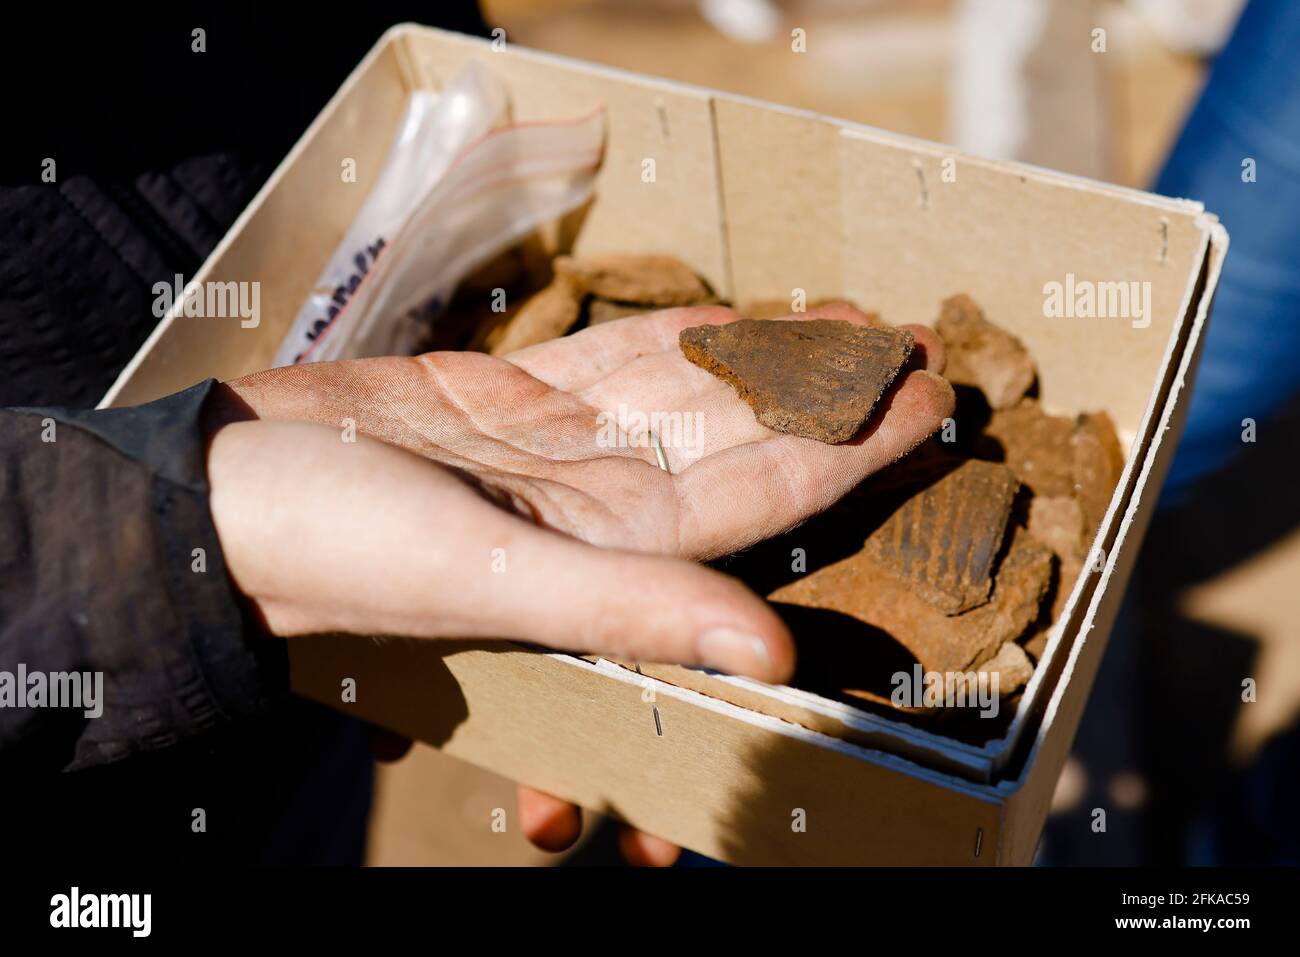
x,y
459,186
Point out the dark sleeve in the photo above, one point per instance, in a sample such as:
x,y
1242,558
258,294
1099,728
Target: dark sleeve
x,y
110,569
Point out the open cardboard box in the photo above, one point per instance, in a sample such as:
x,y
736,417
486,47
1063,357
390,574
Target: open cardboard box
x,y
760,200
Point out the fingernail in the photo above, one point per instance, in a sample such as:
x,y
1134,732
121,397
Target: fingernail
x,y
725,649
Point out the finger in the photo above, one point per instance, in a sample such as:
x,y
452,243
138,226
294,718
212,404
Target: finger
x,y
474,570
550,823
557,591
387,746
469,569
572,363
460,408
644,850
742,495
843,311
927,349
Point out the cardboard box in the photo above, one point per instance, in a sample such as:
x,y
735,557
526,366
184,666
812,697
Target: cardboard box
x,y
760,200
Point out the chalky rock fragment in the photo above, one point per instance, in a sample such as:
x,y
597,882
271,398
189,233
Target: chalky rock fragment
x,y
817,378
605,310
1097,464
1057,521
983,355
547,315
659,281
610,287
944,541
1035,445
1013,668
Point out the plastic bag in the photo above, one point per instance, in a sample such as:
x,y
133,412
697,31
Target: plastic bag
x,y
455,191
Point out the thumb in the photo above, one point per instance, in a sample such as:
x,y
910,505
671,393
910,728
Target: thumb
x,y
370,539
563,593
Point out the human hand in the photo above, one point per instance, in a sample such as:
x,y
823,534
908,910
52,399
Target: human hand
x,y
508,457
525,427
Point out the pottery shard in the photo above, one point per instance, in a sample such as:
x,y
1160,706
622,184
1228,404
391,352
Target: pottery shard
x,y
547,315
659,281
982,354
1097,465
1036,446
1055,455
944,540
859,587
1013,668
1057,521
605,310
819,378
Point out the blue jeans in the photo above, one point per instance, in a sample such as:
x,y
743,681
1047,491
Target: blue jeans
x,y
1249,110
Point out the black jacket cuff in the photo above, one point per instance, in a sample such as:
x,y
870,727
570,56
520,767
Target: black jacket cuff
x,y
125,576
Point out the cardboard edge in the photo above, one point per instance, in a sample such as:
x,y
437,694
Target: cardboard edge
x,y
1029,795
827,716
705,767
777,725
1041,174
724,223
1172,204
1147,442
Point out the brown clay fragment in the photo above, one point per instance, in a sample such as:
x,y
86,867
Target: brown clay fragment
x,y
817,378
944,540
860,588
547,315
983,355
660,281
1035,445
1058,523
1012,666
1097,465
606,310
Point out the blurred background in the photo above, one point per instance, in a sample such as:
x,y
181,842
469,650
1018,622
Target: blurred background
x,y
1187,771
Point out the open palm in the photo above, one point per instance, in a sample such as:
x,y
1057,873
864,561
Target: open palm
x,y
367,537
537,426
